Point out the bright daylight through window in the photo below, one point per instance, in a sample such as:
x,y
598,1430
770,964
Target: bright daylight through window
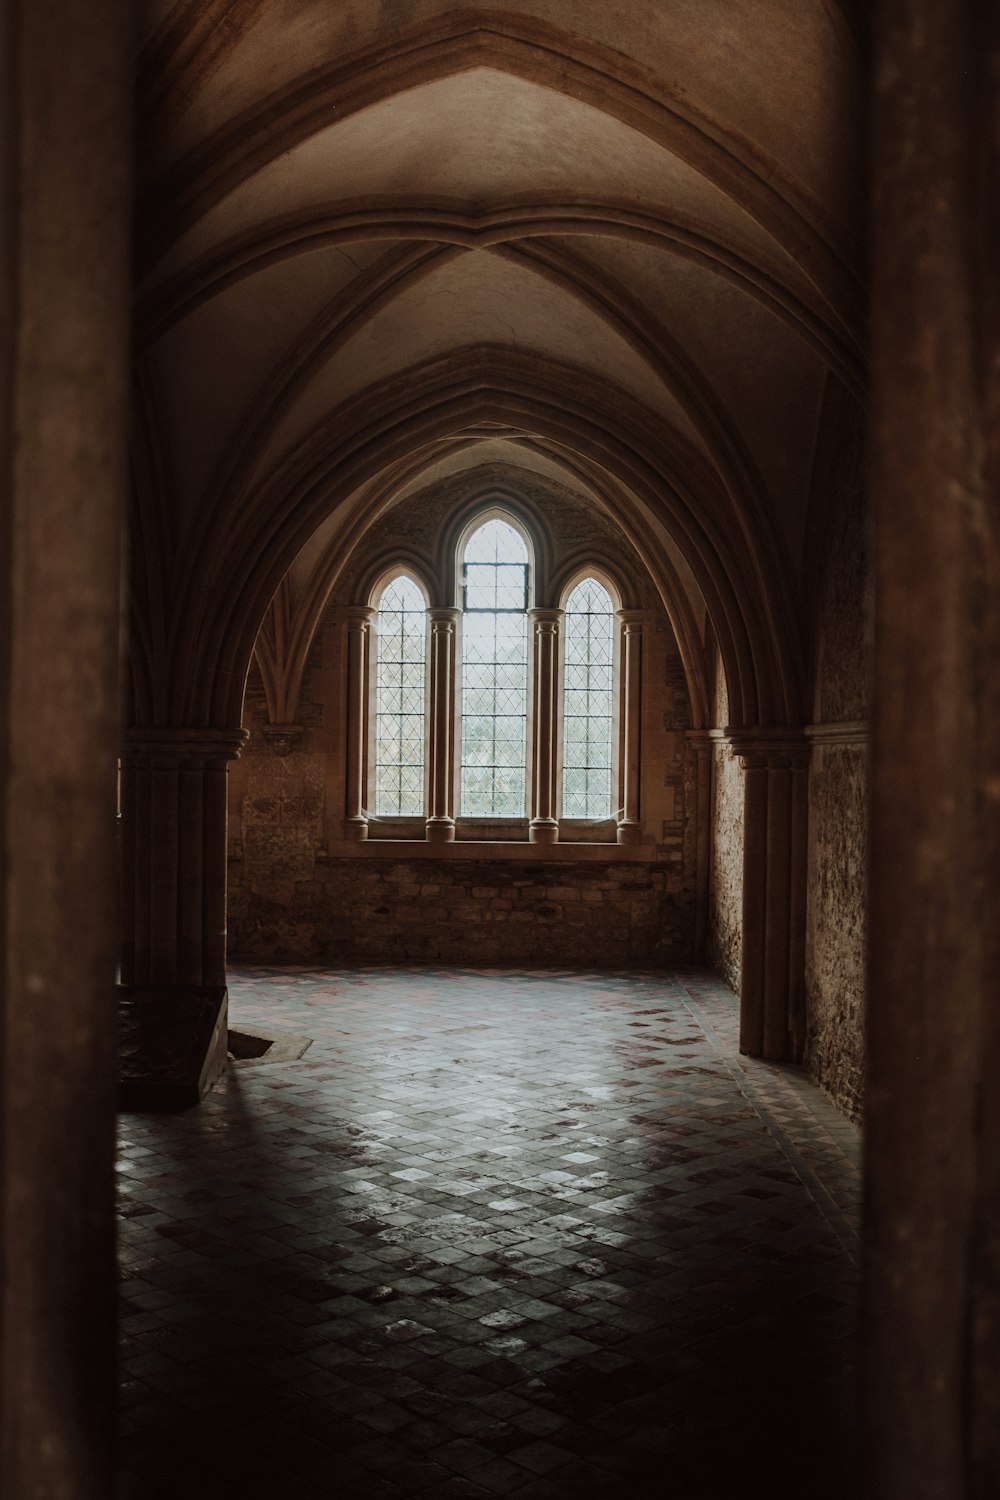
x,y
588,704
399,701
494,672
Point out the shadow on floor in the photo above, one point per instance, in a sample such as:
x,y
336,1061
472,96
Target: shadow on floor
x,y
520,1235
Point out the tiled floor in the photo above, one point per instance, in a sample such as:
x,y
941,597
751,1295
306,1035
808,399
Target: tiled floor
x,y
519,1234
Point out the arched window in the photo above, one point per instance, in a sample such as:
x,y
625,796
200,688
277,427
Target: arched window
x,y
441,698
588,702
494,574
400,694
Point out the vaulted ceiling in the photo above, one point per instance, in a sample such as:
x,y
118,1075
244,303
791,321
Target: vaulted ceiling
x,y
380,240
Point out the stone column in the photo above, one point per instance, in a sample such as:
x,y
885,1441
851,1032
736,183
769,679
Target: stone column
x,y
174,790
544,825
64,233
441,812
773,919
630,739
359,629
932,1112
173,903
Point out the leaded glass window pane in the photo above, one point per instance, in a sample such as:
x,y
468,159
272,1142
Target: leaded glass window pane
x,y
588,702
400,687
494,672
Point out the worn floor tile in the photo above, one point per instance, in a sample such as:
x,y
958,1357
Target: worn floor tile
x,y
496,1234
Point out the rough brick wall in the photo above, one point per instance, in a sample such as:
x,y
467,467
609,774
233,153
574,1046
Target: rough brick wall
x,y
835,933
469,911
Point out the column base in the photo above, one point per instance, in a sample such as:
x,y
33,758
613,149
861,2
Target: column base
x,y
543,831
629,832
356,830
440,830
172,1042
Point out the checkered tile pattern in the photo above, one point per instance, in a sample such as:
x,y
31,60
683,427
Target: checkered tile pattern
x,y
496,1234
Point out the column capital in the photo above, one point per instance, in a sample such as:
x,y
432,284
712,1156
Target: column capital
x,y
360,615
543,617
845,732
443,615
180,744
776,748
631,619
283,738
701,740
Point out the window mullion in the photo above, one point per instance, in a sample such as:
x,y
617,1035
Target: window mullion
x,y
441,812
359,624
494,672
544,826
630,824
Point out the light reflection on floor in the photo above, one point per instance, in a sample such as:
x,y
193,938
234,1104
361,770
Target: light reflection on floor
x,y
533,1234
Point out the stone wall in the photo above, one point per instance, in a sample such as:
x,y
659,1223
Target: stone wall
x,y
838,783
835,924
462,911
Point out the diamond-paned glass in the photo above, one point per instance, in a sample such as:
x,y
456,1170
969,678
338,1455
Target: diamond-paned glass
x,y
588,702
400,690
494,672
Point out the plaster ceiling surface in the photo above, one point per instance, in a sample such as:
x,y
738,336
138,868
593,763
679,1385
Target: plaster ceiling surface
x,y
476,141
747,66
477,298
515,455
765,377
649,208
208,368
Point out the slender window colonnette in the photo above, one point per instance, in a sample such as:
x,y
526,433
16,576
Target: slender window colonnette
x,y
588,702
494,672
400,692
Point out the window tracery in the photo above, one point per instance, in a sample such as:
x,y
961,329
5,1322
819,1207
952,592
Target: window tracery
x,y
495,708
588,702
400,700
494,672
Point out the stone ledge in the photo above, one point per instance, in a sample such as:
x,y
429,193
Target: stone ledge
x,y
842,732
250,1047
470,850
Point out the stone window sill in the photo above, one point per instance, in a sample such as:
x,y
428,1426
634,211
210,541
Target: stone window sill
x,y
512,850
493,830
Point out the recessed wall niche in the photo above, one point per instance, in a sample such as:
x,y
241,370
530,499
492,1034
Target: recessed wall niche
x,y
304,887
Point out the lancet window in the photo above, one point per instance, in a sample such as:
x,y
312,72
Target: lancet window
x,y
400,700
588,702
495,581
492,707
